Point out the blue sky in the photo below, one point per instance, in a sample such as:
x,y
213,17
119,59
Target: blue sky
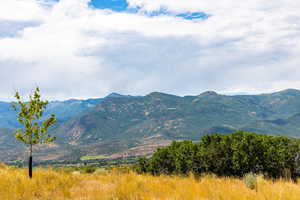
x,y
116,5
123,6
85,49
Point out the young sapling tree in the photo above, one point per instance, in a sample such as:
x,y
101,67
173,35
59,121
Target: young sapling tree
x,y
34,129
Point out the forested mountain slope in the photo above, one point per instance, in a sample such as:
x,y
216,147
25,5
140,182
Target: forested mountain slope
x,y
137,125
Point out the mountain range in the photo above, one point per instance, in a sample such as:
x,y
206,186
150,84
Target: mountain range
x,y
122,125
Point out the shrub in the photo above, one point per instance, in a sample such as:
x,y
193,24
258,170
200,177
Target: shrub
x,y
88,170
250,181
142,165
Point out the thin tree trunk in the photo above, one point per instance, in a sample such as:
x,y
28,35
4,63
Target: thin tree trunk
x,y
30,162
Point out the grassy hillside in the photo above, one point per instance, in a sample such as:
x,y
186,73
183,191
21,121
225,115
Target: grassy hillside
x,y
103,185
189,117
125,125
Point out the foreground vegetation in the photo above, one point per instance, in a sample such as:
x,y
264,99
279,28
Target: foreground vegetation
x,y
115,185
234,154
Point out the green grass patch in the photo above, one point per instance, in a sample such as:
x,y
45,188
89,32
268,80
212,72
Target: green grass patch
x,y
84,158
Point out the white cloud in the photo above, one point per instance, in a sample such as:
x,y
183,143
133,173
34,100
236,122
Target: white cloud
x,y
71,50
21,10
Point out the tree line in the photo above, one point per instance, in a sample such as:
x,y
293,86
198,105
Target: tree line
x,y
234,154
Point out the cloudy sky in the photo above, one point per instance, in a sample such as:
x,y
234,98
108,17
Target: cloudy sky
x,y
86,49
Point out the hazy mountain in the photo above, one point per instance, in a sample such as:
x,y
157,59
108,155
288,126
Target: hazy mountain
x,y
137,125
64,110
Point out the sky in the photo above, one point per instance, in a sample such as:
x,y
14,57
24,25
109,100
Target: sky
x,y
87,49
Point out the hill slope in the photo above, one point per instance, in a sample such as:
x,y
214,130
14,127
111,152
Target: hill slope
x,y
136,125
177,117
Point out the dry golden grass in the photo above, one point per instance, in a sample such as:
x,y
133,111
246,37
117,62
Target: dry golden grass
x,y
53,185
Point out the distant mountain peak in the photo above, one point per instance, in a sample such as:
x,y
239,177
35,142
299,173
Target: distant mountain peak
x,y
209,93
114,95
156,93
288,92
160,94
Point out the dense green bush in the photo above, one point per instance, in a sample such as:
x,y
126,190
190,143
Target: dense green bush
x,y
234,154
